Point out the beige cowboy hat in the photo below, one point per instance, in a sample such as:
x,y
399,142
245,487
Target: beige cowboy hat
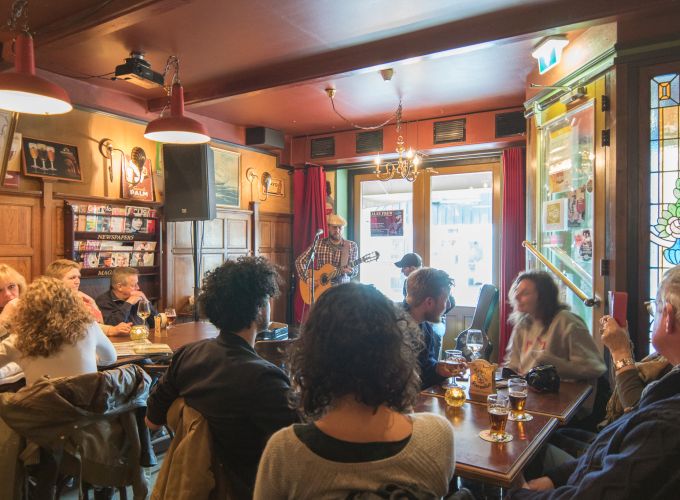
x,y
336,220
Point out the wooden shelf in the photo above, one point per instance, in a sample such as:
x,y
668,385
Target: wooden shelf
x,y
92,235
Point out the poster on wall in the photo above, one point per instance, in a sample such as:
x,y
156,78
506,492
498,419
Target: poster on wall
x,y
227,177
387,223
136,182
51,160
555,215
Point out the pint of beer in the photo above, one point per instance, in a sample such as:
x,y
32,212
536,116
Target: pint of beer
x,y
498,408
517,391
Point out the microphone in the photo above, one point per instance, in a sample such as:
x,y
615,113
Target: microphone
x,y
319,232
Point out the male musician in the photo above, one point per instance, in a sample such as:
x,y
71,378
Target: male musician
x,y
334,250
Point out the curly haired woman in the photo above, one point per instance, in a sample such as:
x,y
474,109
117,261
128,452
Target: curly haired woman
x,y
54,335
356,378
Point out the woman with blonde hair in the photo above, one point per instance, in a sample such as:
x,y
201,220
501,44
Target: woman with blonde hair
x,y
12,286
68,271
53,334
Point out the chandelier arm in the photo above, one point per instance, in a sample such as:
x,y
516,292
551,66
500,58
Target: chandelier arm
x,y
361,127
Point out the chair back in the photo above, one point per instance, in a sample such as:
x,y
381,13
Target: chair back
x,y
274,351
487,303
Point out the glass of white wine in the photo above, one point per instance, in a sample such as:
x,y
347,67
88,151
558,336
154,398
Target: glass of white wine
x,y
143,309
474,340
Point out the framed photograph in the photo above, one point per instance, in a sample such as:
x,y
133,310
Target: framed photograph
x,y
8,124
51,160
276,187
227,177
555,215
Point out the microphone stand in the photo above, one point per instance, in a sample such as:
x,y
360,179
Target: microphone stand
x,y
311,262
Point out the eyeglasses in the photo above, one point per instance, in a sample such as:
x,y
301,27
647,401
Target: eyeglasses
x,y
651,307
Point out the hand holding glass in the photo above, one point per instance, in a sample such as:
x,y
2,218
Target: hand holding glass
x,y
455,362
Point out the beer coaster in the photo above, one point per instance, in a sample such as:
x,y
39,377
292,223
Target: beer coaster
x,y
486,436
525,417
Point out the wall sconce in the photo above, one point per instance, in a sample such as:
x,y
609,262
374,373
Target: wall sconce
x,y
106,149
265,182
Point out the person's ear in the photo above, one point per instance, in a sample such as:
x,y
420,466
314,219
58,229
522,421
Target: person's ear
x,y
670,323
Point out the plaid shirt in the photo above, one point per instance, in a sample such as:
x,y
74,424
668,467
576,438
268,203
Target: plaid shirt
x,y
327,252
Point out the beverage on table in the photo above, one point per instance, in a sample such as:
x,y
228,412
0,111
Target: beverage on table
x,y
171,315
517,392
498,409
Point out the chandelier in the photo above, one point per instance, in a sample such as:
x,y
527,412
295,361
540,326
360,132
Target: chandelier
x,y
406,165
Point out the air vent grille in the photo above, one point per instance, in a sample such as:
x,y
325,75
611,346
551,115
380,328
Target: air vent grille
x,y
369,142
510,124
449,131
322,147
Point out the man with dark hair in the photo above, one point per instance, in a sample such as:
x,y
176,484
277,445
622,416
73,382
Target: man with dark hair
x,y
637,455
427,292
119,304
242,396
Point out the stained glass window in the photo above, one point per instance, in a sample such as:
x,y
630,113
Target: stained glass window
x,y
664,251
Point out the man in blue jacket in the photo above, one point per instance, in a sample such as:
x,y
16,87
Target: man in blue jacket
x,y
426,298
638,455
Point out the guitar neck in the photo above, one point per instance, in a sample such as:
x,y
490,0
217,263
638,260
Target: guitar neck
x,y
352,263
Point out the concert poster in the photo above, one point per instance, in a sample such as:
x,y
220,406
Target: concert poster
x,y
387,223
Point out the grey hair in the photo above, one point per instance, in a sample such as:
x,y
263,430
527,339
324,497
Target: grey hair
x,y
669,290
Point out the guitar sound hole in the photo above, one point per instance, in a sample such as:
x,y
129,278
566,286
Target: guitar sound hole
x,y
324,280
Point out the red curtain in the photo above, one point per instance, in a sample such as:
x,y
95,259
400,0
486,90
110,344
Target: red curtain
x,y
513,232
309,203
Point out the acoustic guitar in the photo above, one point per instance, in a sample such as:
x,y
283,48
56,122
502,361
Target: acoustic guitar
x,y
324,276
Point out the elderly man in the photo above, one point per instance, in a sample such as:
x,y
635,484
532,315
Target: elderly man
x,y
427,293
637,455
334,250
119,304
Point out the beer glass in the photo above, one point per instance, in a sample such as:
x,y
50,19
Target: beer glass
x,y
517,392
171,314
33,149
455,360
498,408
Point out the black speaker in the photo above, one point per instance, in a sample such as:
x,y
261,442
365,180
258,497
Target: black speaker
x,y
189,182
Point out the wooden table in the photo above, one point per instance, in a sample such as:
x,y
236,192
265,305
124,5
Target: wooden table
x,y
499,464
561,405
180,335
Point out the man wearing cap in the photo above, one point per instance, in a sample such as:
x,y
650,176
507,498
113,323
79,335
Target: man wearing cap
x,y
334,250
409,263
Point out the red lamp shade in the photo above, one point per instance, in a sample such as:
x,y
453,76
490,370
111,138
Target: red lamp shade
x,y
23,91
177,128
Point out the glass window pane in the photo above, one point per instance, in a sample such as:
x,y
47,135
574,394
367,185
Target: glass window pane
x,y
461,231
389,196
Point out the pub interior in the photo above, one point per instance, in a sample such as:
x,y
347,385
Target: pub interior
x,y
343,218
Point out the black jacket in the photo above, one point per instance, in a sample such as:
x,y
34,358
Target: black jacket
x,y
119,311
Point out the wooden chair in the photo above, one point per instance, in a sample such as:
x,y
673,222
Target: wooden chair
x,y
274,351
487,303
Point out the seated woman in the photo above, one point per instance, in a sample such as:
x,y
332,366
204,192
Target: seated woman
x,y
355,376
546,333
54,335
68,271
12,285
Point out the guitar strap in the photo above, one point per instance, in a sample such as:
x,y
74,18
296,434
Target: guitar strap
x,y
344,255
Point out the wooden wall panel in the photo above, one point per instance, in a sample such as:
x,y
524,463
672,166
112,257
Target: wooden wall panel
x,y
20,234
275,237
228,236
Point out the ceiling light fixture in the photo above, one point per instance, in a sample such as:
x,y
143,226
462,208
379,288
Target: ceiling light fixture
x,y
407,163
176,128
22,90
548,52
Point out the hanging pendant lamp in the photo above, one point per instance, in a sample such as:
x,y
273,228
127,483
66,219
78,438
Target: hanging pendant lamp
x,y
177,128
23,91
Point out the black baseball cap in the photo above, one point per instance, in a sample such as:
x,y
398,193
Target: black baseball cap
x,y
409,260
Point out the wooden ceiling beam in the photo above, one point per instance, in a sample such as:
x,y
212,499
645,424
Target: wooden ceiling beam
x,y
502,25
99,21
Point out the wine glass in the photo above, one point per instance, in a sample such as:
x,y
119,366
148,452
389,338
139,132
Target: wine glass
x,y
455,360
51,157
143,309
42,153
171,314
33,149
474,340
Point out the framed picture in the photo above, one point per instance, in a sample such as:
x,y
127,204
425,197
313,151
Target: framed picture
x,y
555,215
51,160
227,177
137,181
8,123
276,187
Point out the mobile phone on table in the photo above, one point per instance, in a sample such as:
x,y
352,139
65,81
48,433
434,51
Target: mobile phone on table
x,y
618,307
